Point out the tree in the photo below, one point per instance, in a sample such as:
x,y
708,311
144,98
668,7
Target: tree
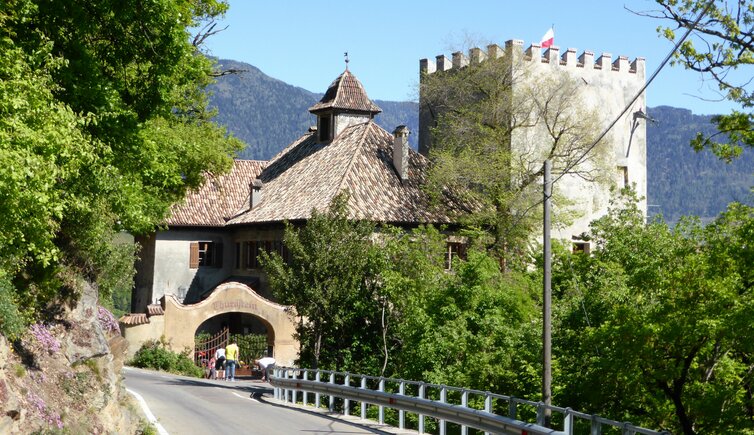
x,y
496,122
721,47
103,125
655,327
331,278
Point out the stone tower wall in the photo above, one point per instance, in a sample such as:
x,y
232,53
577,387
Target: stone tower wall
x,y
609,84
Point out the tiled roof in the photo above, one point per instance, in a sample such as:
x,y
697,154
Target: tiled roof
x,y
155,310
133,319
218,198
346,92
308,174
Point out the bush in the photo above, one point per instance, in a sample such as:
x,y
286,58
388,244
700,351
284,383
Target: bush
x,y
11,320
154,354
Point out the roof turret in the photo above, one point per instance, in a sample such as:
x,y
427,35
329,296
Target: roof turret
x,y
347,94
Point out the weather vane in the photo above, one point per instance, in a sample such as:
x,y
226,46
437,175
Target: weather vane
x,y
346,56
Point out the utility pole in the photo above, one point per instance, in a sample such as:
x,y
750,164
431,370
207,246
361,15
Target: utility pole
x,y
547,297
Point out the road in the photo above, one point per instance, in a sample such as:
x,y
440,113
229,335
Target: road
x,y
185,405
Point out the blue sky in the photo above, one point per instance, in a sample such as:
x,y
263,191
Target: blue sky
x,y
302,42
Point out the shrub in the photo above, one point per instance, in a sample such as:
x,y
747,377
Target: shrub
x,y
11,320
154,354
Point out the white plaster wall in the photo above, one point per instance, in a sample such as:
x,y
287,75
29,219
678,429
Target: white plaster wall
x,y
343,120
604,92
172,274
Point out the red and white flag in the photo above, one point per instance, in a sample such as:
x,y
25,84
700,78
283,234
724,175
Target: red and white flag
x,y
548,39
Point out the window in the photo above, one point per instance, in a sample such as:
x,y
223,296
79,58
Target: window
x,y
205,254
324,128
454,250
622,176
252,249
238,255
581,248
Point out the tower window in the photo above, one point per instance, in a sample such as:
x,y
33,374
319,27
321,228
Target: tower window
x,y
622,176
324,128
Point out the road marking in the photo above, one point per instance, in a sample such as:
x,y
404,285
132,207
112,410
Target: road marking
x,y
150,417
244,397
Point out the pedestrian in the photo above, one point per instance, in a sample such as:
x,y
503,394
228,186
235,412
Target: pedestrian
x,y
220,362
212,369
231,358
265,363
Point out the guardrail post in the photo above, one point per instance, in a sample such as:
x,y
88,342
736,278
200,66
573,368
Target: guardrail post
x,y
402,413
381,408
568,421
541,413
487,405
443,399
306,393
596,425
317,396
276,390
512,408
287,390
331,405
626,429
294,391
363,403
422,395
346,402
464,404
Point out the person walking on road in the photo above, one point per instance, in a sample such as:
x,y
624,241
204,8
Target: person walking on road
x,y
231,359
264,364
220,363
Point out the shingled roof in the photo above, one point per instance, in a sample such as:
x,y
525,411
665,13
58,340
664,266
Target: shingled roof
x,y
346,93
219,198
308,174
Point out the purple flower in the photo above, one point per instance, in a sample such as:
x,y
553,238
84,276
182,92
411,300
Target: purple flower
x,y
43,336
107,320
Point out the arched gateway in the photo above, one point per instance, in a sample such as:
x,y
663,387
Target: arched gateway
x,y
178,322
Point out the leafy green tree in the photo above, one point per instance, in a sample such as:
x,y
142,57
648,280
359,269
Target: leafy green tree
x,y
721,49
103,125
331,279
655,327
495,123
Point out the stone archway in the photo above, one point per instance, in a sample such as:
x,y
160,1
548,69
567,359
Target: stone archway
x,y
181,321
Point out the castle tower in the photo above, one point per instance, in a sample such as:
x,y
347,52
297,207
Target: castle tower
x,y
345,103
604,86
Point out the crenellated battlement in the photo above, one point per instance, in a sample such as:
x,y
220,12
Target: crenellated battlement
x,y
534,53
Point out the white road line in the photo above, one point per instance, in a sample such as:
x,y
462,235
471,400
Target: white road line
x,y
152,419
244,397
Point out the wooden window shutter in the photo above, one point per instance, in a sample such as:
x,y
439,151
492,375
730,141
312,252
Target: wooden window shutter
x,y
218,255
194,255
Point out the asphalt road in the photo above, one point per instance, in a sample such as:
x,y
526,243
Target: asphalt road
x,y
196,406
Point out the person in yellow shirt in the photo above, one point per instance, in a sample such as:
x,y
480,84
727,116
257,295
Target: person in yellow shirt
x,y
231,359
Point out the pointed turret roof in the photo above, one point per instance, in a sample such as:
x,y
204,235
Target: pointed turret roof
x,y
346,93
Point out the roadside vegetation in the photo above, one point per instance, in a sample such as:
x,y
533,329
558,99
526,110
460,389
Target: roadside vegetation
x,y
155,354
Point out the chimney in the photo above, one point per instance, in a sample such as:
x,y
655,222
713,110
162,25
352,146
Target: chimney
x,y
400,151
256,193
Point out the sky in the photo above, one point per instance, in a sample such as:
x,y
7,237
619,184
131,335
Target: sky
x,y
302,42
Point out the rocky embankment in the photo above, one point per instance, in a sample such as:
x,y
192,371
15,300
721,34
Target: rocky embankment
x,y
65,376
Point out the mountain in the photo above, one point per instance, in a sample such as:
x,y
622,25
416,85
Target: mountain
x,y
268,114
681,181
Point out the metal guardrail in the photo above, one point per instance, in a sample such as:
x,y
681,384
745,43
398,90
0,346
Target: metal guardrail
x,y
433,401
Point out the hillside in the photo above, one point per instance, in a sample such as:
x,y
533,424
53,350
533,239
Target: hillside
x,y
684,182
267,114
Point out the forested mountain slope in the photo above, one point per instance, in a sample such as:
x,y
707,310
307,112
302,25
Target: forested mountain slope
x,y
684,182
268,114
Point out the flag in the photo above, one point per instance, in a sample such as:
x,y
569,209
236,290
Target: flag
x,y
548,39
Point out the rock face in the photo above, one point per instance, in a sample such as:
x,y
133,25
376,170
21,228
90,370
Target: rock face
x,y
66,376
